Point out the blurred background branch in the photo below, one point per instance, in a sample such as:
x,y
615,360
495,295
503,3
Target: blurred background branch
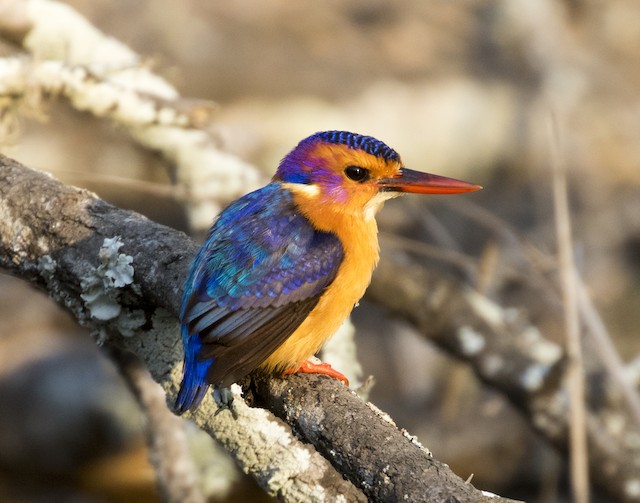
x,y
102,76
167,437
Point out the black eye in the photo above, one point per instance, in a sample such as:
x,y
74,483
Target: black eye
x,y
357,174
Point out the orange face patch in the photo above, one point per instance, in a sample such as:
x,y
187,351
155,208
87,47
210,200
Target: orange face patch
x,y
328,163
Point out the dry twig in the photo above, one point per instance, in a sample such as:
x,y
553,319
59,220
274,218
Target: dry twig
x,y
579,456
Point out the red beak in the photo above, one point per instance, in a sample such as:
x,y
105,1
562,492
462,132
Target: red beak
x,y
425,183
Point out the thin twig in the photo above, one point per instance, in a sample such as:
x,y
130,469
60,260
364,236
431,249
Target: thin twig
x,y
166,437
575,370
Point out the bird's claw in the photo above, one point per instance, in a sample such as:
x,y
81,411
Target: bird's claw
x,y
310,367
224,400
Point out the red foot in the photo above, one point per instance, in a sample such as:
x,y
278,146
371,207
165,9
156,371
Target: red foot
x,y
308,367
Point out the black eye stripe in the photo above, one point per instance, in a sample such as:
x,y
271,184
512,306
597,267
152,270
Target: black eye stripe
x,y
357,173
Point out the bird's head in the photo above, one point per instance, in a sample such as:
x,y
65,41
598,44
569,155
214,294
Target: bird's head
x,y
355,174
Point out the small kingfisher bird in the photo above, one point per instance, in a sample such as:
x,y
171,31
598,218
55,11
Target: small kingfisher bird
x,y
283,266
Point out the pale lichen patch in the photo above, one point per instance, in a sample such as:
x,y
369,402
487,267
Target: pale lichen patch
x,y
47,268
471,341
532,378
632,488
101,302
296,458
116,266
539,348
382,415
101,287
127,325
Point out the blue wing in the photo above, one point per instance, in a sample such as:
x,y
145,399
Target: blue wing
x,y
261,271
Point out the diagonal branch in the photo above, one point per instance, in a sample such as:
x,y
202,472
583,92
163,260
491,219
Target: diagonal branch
x,y
53,235
509,353
121,274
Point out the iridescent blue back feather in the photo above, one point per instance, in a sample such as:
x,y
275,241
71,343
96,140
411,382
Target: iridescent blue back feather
x,y
260,272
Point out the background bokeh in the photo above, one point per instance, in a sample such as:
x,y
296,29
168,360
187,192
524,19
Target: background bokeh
x,y
464,89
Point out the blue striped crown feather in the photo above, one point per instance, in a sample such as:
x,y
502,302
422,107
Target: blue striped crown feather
x,y
368,144
295,166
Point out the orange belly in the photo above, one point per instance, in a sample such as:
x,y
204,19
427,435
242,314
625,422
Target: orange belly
x,y
360,243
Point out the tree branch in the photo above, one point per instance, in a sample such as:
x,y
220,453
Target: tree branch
x,y
363,442
509,353
53,235
100,75
128,290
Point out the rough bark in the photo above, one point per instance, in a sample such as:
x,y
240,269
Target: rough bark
x,y
389,464
53,236
66,240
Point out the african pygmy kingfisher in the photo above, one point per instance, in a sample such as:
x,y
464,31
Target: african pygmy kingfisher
x,y
283,266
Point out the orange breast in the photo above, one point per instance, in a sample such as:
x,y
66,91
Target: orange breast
x,y
360,242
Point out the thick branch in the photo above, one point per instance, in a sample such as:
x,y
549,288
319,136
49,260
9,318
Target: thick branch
x,y
55,235
388,463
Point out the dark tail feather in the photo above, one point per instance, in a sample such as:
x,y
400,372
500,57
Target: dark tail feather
x,y
194,380
190,394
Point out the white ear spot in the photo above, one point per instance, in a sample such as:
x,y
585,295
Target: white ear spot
x,y
310,191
